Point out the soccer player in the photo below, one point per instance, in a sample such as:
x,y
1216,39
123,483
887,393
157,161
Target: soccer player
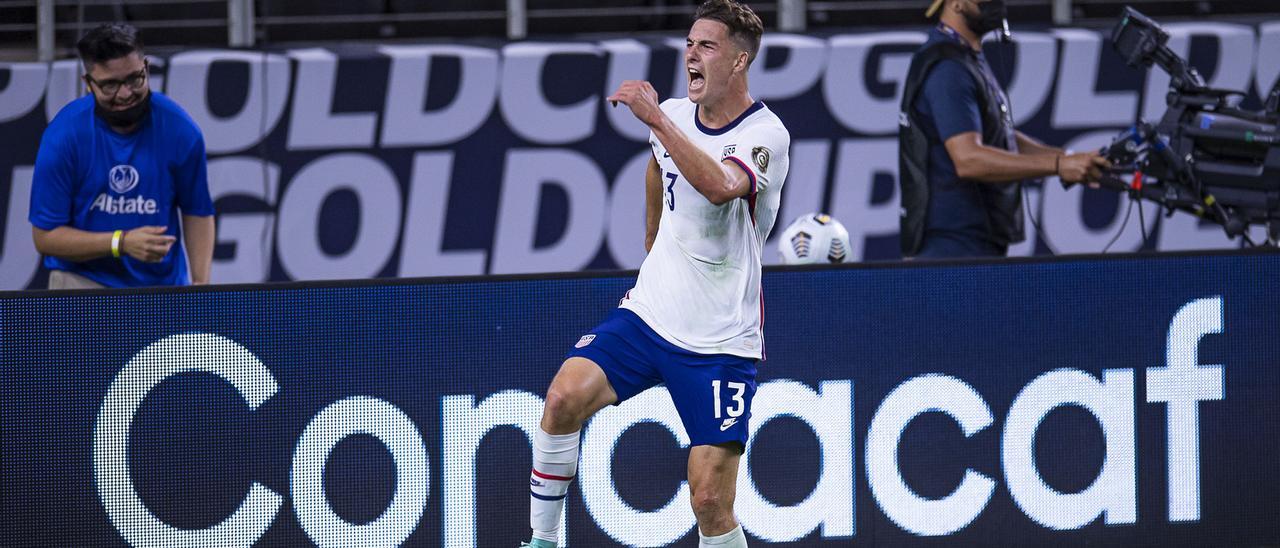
x,y
693,320
114,172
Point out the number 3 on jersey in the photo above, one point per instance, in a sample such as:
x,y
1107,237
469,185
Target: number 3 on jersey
x,y
739,405
670,196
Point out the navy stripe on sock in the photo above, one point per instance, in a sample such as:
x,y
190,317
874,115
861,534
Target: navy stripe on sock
x,y
545,497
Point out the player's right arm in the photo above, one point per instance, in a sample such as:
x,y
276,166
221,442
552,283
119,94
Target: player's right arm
x,y
718,181
652,202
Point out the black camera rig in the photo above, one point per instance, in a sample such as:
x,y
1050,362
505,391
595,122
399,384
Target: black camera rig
x,y
1205,155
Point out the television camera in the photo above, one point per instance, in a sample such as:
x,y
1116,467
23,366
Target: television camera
x,y
1206,155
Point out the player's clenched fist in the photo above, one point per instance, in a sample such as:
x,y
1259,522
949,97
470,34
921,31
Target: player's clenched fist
x,y
640,96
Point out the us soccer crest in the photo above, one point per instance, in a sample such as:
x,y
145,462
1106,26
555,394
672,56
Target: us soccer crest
x,y
760,155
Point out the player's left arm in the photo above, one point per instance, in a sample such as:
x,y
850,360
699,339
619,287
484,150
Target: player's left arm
x,y
719,182
198,235
652,202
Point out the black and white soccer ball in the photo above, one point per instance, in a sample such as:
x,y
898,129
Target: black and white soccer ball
x,y
814,238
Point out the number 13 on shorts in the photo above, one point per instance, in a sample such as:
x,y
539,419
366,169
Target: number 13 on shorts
x,y
739,405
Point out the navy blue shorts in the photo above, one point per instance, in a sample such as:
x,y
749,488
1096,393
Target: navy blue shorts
x,y
712,392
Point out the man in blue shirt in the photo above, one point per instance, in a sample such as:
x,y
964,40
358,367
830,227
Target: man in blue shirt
x,y
975,157
113,172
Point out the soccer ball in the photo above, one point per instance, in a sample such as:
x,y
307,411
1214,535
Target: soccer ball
x,y
814,238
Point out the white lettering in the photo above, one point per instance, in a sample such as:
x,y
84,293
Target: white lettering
x,y
337,421
20,260
1077,104
921,516
190,352
121,205
1267,73
615,516
263,104
312,124
378,195
628,60
1114,492
405,124
64,87
251,234
524,105
1184,231
527,172
844,86
805,62
466,426
858,163
422,253
627,212
23,91
829,413
1182,384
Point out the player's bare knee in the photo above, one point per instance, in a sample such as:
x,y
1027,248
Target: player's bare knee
x,y
711,505
563,409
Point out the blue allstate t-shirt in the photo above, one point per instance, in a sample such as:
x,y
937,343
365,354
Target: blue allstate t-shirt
x,y
89,177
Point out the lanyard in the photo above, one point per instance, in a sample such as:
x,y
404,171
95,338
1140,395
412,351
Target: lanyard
x,y
951,33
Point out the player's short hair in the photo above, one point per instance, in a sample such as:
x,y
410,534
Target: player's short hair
x,y
744,25
108,41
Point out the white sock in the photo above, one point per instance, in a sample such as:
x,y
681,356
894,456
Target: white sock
x,y
555,462
733,539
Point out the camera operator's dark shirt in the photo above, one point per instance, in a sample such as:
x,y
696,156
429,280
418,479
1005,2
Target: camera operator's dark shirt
x,y
948,105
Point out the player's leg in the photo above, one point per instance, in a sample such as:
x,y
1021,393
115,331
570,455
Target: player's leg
x,y
609,365
713,477
577,392
713,395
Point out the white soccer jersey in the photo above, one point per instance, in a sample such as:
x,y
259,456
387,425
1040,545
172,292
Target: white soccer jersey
x,y
699,287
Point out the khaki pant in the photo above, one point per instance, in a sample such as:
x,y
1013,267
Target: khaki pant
x,y
61,279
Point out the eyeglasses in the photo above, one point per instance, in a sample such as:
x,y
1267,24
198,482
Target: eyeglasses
x,y
134,81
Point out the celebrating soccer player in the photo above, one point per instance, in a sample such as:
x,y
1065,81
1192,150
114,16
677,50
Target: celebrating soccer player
x,y
693,321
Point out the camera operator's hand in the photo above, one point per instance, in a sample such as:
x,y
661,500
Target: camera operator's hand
x,y
1082,167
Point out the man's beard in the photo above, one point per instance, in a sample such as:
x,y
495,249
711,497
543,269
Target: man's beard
x,y
990,16
127,118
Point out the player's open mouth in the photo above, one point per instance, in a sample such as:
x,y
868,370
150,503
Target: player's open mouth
x,y
696,79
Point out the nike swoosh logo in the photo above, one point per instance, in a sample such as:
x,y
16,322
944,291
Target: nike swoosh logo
x,y
727,424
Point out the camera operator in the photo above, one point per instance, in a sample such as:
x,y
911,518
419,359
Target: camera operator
x,y
961,161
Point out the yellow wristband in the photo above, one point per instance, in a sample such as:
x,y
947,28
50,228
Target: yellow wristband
x,y
115,243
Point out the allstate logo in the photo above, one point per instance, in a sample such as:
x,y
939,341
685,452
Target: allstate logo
x,y
123,178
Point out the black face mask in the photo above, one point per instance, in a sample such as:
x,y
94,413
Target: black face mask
x,y
991,16
126,118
